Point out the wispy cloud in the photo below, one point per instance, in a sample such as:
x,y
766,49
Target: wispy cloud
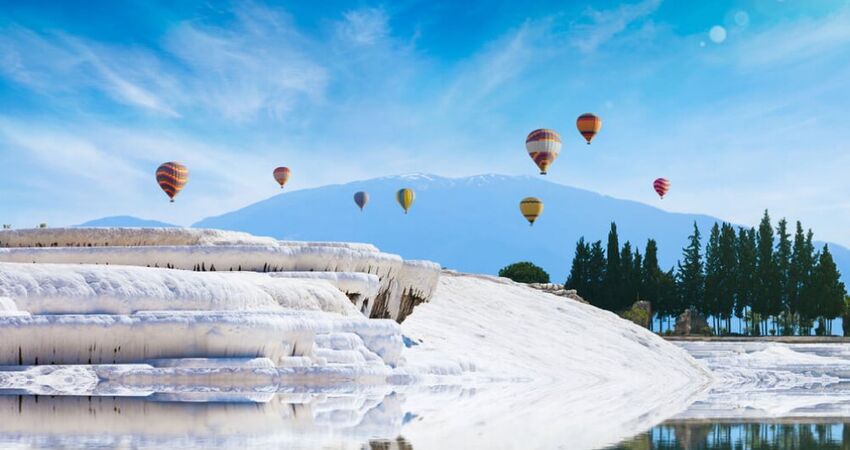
x,y
364,26
600,26
797,42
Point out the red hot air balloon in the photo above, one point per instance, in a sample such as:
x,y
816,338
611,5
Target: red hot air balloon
x,y
172,176
281,174
661,185
588,125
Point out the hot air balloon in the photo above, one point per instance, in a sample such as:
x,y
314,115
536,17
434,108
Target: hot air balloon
x,y
361,198
531,208
172,176
281,174
543,146
588,125
661,185
405,198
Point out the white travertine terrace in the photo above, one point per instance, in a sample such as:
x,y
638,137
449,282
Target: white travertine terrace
x,y
403,284
121,295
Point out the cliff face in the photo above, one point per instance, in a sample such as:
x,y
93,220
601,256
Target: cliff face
x,y
353,268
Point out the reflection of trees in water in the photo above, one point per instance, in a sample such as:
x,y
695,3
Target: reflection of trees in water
x,y
399,443
742,436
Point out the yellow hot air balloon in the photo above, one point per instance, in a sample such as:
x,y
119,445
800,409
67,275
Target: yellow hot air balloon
x,y
588,125
531,208
405,198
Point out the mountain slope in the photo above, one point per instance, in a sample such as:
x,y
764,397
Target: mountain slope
x,y
125,221
471,224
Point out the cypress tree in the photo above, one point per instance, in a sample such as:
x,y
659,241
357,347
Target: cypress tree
x,y
668,293
625,296
637,264
579,278
782,259
728,273
808,296
828,289
766,293
650,284
690,275
746,280
596,275
613,275
795,272
711,300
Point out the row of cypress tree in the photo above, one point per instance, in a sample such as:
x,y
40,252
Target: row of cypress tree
x,y
775,284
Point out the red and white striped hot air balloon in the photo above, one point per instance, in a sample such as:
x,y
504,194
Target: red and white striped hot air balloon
x,y
543,147
661,186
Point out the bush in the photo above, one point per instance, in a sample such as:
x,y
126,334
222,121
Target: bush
x,y
524,272
638,316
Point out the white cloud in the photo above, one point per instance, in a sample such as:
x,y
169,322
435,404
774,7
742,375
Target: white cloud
x,y
796,42
364,26
604,25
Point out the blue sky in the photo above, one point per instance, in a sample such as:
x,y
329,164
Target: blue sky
x,y
741,104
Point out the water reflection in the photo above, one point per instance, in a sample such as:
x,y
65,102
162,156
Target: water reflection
x,y
285,420
778,435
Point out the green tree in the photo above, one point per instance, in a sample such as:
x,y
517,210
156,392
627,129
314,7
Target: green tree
x,y
625,294
596,275
524,272
808,294
579,277
766,294
613,274
669,296
690,277
746,280
828,289
798,273
782,262
650,280
710,306
637,286
728,273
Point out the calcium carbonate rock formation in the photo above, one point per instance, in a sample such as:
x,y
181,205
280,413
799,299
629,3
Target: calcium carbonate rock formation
x,y
402,284
149,296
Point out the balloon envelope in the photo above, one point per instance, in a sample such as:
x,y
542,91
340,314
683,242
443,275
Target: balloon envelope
x,y
405,198
531,208
361,198
661,186
588,125
281,175
543,147
172,176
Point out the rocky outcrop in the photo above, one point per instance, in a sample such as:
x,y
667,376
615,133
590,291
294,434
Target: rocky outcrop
x,y
690,322
558,289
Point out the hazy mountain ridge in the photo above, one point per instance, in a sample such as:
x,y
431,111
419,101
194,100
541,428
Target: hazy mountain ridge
x,y
470,224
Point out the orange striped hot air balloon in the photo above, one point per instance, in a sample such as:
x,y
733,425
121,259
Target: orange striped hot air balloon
x,y
588,125
281,175
661,186
543,147
172,176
